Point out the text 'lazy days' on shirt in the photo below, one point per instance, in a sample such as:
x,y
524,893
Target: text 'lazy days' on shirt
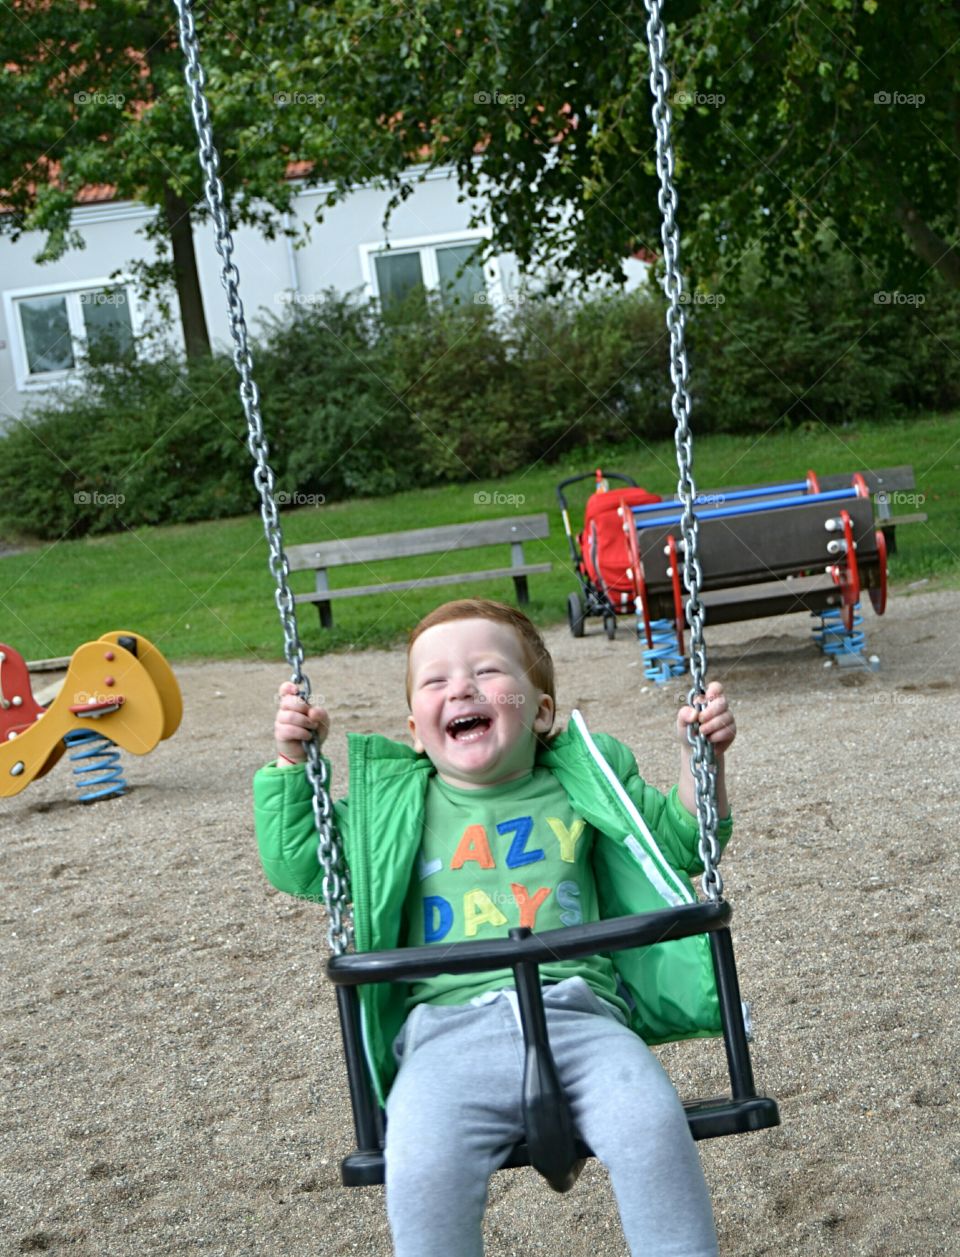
x,y
495,858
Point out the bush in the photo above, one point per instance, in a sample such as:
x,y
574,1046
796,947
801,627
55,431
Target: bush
x,y
357,404
335,420
146,444
824,346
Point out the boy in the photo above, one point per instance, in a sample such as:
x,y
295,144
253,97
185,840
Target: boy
x,y
491,821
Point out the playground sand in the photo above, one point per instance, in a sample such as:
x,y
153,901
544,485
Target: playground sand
x,y
172,1080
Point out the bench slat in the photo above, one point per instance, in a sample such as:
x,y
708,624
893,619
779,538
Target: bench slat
x,y
882,479
492,573
894,521
417,541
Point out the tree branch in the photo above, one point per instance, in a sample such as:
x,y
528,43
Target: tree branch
x,y
933,249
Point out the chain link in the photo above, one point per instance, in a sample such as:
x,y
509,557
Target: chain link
x,y
335,883
703,762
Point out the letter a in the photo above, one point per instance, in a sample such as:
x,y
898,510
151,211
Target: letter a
x,y
473,846
479,909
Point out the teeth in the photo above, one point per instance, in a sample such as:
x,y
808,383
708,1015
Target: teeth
x,y
467,722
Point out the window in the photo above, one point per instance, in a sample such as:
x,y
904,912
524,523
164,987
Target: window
x,y
51,329
399,276
460,275
448,265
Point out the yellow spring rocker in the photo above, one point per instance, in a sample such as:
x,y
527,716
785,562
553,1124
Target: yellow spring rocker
x,y
119,691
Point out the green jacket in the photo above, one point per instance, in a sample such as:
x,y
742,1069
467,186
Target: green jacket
x,y
644,854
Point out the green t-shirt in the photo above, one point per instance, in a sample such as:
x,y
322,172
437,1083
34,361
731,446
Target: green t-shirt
x,y
498,857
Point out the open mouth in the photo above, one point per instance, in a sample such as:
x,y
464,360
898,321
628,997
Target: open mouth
x,y
468,728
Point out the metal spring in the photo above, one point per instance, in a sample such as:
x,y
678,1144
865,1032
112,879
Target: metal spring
x,y
101,777
833,637
661,660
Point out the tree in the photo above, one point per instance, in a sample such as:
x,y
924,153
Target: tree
x,y
94,95
797,123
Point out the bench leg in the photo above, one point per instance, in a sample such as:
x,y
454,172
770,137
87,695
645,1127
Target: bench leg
x,y
326,614
523,593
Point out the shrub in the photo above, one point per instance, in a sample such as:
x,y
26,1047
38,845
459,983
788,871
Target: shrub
x,y
823,345
138,445
354,403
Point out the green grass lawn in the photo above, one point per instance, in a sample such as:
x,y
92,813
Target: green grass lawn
x,y
204,590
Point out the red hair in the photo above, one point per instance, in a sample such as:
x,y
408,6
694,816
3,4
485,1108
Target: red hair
x,y
538,663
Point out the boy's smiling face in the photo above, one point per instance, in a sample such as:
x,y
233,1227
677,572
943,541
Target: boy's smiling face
x,y
473,707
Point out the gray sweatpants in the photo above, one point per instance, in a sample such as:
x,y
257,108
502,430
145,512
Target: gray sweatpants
x,y
454,1112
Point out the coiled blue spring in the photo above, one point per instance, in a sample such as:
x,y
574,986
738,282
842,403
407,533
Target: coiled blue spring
x,y
833,637
661,661
98,766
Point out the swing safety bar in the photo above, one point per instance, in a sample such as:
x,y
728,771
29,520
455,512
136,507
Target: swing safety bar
x,y
717,496
551,1146
749,508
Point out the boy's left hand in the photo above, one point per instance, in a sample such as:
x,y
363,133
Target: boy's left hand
x,y
716,720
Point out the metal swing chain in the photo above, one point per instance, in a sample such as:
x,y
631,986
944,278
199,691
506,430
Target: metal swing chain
x,y
335,884
702,758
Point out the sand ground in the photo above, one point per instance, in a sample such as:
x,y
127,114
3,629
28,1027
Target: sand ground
x,y
172,1080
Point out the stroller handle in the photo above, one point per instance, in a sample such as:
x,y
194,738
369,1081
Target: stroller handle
x,y
590,475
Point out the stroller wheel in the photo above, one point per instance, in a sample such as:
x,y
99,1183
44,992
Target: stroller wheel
x,y
610,625
575,614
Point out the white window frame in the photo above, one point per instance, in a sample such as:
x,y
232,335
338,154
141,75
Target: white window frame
x,y
26,381
427,247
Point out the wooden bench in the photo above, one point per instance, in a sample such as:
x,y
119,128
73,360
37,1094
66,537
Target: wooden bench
x,y
888,485
399,545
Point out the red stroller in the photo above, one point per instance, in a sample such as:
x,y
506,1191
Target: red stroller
x,y
600,552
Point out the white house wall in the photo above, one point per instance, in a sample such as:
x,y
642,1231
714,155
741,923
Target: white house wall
x,y
270,270
332,255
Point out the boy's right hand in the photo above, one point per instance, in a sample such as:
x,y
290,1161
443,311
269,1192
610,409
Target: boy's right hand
x,y
296,722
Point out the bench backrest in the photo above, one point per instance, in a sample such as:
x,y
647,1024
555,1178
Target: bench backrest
x,y
399,545
881,480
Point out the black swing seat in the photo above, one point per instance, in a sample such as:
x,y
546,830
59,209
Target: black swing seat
x,y
707,1119
551,1146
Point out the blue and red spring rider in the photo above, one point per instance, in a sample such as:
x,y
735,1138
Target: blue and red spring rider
x,y
812,545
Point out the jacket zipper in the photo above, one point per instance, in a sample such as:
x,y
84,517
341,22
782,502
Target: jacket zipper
x,y
663,878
